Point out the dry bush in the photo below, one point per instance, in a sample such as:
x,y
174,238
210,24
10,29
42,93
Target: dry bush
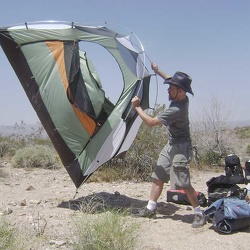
x,y
108,230
35,157
212,136
12,238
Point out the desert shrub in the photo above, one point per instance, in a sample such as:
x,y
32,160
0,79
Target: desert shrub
x,y
109,172
141,158
6,148
6,234
211,158
103,231
23,136
243,132
35,157
13,237
211,135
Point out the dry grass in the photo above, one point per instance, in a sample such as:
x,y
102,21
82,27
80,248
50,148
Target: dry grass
x,y
109,230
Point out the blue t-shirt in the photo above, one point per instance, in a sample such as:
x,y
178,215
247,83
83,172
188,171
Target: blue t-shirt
x,y
176,118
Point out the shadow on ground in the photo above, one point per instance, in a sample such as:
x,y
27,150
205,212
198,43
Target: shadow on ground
x,y
103,201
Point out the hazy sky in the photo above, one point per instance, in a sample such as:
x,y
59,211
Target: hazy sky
x,y
209,40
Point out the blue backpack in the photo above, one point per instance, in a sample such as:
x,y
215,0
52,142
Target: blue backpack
x,y
229,214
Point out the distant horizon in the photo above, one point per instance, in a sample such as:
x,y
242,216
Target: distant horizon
x,y
233,123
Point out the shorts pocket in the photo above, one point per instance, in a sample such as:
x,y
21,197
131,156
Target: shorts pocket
x,y
181,171
180,160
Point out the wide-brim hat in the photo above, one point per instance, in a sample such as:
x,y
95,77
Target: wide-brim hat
x,y
181,80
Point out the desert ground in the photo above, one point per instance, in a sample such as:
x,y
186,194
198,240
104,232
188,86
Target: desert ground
x,y
49,198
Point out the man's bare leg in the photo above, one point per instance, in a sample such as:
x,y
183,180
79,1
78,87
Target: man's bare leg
x,y
156,189
192,197
199,218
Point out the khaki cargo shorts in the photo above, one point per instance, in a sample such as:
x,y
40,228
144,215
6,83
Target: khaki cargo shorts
x,y
173,165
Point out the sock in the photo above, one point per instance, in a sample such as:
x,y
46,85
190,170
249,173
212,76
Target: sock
x,y
197,210
151,205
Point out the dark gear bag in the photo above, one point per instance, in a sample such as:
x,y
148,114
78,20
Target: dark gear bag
x,y
220,187
233,168
229,214
232,160
247,171
180,197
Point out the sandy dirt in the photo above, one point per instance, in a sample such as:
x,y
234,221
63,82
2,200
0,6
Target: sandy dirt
x,y
46,198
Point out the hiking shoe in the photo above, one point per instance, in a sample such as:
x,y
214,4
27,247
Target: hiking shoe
x,y
144,212
199,220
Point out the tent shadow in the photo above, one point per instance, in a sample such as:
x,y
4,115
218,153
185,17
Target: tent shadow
x,y
103,201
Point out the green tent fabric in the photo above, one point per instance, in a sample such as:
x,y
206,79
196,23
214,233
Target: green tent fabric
x,y
64,89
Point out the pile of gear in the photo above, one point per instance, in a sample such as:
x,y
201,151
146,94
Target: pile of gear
x,y
228,202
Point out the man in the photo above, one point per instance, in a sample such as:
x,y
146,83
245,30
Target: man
x,y
173,161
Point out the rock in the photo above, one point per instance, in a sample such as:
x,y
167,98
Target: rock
x,y
57,243
35,202
8,211
117,193
12,203
23,203
30,188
